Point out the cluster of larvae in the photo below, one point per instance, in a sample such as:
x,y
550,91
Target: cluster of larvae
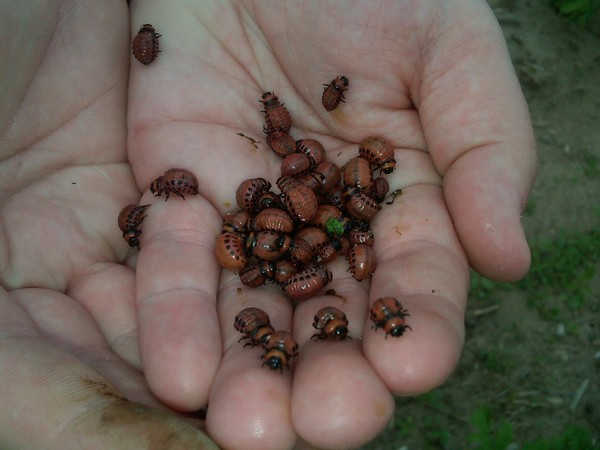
x,y
321,211
279,346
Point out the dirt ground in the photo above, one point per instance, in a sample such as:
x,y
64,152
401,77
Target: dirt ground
x,y
529,374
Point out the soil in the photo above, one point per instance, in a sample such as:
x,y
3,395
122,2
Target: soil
x,y
524,376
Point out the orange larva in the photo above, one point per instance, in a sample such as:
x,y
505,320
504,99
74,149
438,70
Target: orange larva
x,y
379,189
281,143
277,117
300,252
282,271
295,164
254,323
252,276
326,254
312,180
334,93
379,152
145,44
362,261
300,201
360,205
130,218
268,245
357,236
229,250
236,222
273,219
176,181
268,199
307,283
313,149
249,191
332,323
357,172
279,350
388,313
315,237
334,196
332,174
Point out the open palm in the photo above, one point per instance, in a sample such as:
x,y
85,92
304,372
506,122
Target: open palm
x,y
433,79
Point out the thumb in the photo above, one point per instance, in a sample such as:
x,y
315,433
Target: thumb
x,y
480,136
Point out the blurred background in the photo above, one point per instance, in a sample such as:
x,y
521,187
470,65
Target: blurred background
x,y
529,377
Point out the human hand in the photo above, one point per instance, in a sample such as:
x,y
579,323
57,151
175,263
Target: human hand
x,y
471,131
436,80
70,371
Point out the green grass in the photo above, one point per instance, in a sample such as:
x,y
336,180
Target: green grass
x,y
560,277
488,435
590,164
579,11
561,272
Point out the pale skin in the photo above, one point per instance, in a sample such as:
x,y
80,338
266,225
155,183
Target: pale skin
x,y
86,128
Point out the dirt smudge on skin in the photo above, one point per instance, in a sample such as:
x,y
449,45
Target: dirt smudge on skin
x,y
159,430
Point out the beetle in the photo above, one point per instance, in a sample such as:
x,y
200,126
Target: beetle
x,y
277,117
236,222
362,261
252,275
255,325
300,253
358,236
316,237
333,93
357,172
176,181
313,149
279,350
379,152
388,313
268,245
379,189
312,180
300,201
359,204
273,219
282,271
268,199
295,164
130,218
332,323
249,191
307,283
281,143
229,250
145,44
332,174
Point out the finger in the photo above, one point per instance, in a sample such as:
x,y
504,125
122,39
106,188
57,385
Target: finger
x,y
177,277
338,400
108,293
421,263
479,133
249,405
70,327
86,410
